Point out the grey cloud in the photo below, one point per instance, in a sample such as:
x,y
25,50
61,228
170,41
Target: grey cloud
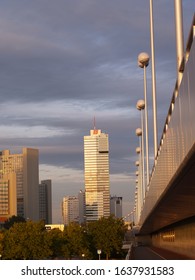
x,y
83,55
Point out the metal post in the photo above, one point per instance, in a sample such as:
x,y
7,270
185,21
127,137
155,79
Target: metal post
x,y
139,163
142,154
143,61
139,182
153,80
146,127
179,37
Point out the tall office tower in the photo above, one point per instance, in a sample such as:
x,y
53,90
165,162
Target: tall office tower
x,y
116,206
81,198
8,202
70,209
96,168
25,167
45,201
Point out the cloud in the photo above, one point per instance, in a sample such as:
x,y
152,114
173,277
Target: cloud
x,y
63,62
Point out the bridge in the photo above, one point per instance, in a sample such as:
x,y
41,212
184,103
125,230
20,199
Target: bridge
x,y
167,216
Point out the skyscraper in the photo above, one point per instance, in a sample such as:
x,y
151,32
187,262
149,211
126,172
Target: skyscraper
x,y
116,206
25,185
45,201
8,201
81,198
70,209
96,169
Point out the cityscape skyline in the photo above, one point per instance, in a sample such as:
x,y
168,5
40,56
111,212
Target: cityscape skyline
x,y
64,62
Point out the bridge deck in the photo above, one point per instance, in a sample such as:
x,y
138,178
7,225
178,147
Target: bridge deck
x,y
153,253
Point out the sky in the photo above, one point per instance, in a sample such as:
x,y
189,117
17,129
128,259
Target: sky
x,y
64,62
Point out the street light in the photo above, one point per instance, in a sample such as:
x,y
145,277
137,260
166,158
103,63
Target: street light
x,y
141,168
139,181
140,132
143,61
99,251
138,150
153,80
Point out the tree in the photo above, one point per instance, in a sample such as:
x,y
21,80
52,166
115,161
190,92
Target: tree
x,y
107,234
57,241
1,243
30,240
76,243
26,241
12,220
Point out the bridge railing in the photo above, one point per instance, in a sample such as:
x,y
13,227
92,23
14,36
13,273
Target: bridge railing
x,y
179,131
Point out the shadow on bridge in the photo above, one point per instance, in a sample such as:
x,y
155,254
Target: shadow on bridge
x,y
153,253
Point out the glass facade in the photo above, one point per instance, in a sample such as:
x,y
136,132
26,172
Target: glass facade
x,y
4,197
45,201
70,209
96,164
25,168
14,164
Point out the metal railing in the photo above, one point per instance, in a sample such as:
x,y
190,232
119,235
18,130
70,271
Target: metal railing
x,y
178,135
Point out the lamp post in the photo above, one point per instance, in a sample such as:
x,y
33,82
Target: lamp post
x,y
179,37
99,251
143,61
141,106
139,184
153,80
139,133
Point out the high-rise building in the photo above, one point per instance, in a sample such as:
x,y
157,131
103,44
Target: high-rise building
x,y
81,198
45,201
8,202
116,206
70,209
26,170
73,208
96,169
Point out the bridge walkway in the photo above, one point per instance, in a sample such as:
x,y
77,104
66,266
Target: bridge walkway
x,y
154,253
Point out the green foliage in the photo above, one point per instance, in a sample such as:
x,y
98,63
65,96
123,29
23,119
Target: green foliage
x,y
26,241
56,241
76,243
12,220
107,234
1,243
31,241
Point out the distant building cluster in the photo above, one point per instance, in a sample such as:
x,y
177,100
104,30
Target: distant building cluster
x,y
21,194
20,191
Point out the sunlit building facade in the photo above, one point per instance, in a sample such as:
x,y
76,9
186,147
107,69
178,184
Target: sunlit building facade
x,y
70,209
25,168
8,201
96,169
